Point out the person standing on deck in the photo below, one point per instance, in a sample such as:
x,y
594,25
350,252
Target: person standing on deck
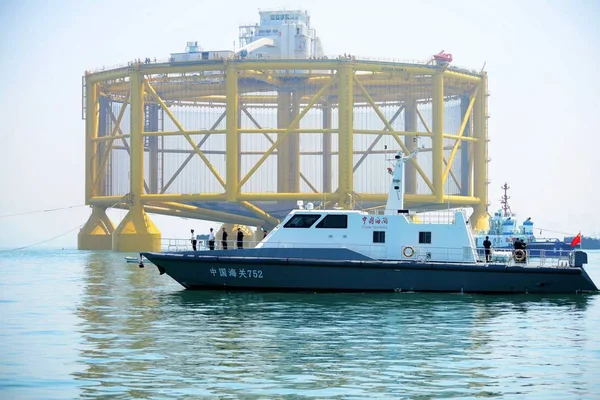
x,y
524,248
240,239
224,239
488,249
211,240
194,241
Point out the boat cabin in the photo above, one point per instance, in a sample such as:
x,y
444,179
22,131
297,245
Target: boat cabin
x,y
390,234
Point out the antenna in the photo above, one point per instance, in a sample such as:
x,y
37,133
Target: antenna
x,y
504,201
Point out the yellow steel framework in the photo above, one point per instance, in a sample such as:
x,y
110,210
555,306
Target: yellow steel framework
x,y
181,138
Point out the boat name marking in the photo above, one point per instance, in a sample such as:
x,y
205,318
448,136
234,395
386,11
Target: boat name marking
x,y
374,222
237,273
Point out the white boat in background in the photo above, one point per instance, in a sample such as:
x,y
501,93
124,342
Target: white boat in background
x,y
504,230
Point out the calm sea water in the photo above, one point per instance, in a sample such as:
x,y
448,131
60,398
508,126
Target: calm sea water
x,y
86,324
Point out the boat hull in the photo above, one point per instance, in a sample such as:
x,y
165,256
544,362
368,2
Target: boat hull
x,y
211,270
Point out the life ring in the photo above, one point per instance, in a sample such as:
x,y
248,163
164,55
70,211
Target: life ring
x,y
519,255
408,251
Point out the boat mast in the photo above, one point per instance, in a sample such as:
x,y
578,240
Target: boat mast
x,y
504,201
395,200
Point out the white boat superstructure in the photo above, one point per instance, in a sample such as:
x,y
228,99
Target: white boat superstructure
x,y
394,234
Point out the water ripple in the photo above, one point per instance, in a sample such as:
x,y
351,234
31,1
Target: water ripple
x,y
112,331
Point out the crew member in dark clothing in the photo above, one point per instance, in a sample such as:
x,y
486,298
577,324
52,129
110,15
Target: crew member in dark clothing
x,y
224,239
524,248
488,249
240,239
518,245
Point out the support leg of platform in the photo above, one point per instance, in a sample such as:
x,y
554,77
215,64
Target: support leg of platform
x,y
136,232
97,231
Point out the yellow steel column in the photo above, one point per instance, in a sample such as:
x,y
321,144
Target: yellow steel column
x,y
136,232
294,144
410,125
480,217
327,142
284,101
346,130
92,107
97,231
232,140
438,136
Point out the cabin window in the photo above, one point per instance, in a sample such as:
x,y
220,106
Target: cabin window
x,y
424,237
302,221
336,221
378,236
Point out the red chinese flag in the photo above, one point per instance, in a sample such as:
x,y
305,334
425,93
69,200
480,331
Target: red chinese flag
x,y
576,240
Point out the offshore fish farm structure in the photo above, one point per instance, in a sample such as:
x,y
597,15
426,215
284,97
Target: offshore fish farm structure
x,y
239,136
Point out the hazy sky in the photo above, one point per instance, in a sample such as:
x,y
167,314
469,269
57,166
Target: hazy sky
x,y
542,59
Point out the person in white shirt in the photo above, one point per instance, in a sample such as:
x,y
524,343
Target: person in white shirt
x,y
194,241
211,240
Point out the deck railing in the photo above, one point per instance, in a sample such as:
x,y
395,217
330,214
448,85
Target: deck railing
x,y
424,254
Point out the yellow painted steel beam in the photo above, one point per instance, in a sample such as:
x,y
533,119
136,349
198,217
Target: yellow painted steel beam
x,y
460,138
391,133
107,75
411,198
288,196
209,214
282,64
180,133
210,167
438,137
461,130
201,214
266,217
109,201
197,197
111,138
473,79
284,117
183,68
232,140
346,135
367,197
480,155
136,141
274,146
92,106
396,136
283,130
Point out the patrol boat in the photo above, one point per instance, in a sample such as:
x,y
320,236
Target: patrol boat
x,y
352,250
504,230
